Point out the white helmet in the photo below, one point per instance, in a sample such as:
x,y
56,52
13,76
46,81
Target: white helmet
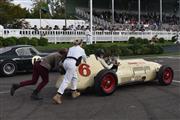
x,y
36,58
77,41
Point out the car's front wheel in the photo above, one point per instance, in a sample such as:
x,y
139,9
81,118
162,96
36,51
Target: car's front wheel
x,y
165,75
8,68
105,82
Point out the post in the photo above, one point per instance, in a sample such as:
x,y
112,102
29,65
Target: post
x,y
65,7
91,21
179,4
112,12
139,11
40,17
161,11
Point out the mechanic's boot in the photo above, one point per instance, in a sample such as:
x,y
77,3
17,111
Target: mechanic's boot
x,y
35,96
14,87
75,94
57,99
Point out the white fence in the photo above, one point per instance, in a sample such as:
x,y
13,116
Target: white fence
x,y
55,36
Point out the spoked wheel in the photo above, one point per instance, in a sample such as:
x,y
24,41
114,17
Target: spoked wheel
x,y
105,82
8,68
108,83
165,75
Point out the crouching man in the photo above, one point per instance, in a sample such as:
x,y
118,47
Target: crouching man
x,y
41,68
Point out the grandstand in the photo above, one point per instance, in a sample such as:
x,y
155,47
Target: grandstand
x,y
126,21
126,12
169,6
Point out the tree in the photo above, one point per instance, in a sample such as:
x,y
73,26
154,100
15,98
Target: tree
x,y
40,5
1,1
9,13
49,9
57,8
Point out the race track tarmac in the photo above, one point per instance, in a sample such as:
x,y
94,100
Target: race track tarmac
x,y
144,101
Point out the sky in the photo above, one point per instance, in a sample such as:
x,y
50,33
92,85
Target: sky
x,y
24,3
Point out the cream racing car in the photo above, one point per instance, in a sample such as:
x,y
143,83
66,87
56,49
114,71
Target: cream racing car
x,y
92,74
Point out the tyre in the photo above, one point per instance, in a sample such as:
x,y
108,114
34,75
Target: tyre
x,y
165,75
8,68
105,82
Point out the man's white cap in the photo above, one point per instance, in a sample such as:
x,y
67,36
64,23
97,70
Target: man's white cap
x,y
77,41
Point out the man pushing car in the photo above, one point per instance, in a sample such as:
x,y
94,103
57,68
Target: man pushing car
x,y
41,68
73,59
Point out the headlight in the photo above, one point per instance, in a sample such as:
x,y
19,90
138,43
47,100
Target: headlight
x,y
1,60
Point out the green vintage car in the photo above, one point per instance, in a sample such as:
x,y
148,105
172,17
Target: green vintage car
x,y
17,58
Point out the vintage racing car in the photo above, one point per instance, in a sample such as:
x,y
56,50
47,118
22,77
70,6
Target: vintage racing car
x,y
17,58
92,74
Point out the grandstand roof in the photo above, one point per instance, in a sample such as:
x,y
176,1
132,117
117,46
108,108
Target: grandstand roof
x,y
146,5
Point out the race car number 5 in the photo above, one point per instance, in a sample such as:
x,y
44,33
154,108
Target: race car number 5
x,y
84,70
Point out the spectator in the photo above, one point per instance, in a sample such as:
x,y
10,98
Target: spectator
x,y
88,36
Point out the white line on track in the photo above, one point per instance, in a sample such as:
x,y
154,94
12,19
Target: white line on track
x,y
170,57
4,92
176,81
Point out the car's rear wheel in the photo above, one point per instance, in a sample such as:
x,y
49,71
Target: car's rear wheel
x,y
8,68
165,75
105,82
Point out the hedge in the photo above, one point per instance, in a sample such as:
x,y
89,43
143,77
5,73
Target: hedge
x,y
135,49
133,40
136,46
22,41
33,41
1,43
125,51
43,41
9,41
155,49
161,40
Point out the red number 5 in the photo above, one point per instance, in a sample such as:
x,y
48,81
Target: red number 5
x,y
84,70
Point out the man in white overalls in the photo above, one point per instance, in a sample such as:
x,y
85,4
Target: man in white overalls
x,y
70,64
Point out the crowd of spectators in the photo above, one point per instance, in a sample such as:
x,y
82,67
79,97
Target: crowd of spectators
x,y
123,21
56,27
149,21
128,20
132,18
116,27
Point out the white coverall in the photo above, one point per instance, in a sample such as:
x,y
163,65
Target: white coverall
x,y
70,67
88,39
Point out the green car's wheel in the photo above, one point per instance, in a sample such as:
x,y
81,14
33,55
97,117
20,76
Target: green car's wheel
x,y
8,68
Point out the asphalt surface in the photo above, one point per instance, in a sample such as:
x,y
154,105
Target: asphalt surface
x,y
144,101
